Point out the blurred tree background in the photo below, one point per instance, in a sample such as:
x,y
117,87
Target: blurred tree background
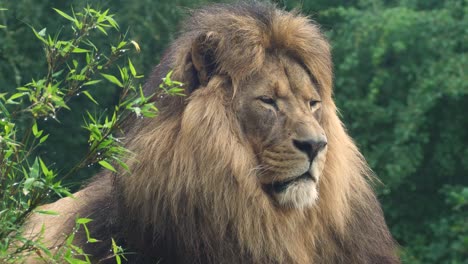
x,y
400,83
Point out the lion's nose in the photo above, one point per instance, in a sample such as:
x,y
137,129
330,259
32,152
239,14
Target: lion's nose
x,y
310,147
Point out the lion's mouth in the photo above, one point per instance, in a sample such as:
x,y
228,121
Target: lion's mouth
x,y
281,186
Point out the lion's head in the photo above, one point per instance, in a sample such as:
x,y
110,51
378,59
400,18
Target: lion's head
x,y
253,164
279,111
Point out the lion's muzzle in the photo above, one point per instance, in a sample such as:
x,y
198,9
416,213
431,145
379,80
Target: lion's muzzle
x,y
310,147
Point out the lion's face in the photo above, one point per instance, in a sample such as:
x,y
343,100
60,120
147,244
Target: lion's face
x,y
280,112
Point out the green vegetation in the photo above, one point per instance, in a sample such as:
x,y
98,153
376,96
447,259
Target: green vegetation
x,y
400,82
74,66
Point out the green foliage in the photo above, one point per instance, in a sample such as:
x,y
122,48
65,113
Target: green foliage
x,y
75,65
450,232
402,88
171,87
150,24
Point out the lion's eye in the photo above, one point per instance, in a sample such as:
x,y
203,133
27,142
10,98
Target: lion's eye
x,y
314,103
267,100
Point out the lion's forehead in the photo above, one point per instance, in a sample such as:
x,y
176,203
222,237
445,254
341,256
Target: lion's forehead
x,y
300,79
286,78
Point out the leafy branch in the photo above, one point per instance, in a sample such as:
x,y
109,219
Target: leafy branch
x,y
75,66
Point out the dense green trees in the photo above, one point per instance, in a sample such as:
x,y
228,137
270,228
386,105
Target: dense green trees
x,y
400,82
402,87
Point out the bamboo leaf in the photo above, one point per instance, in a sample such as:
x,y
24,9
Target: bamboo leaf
x,y
90,97
112,79
132,68
107,165
91,82
64,14
82,221
43,139
47,212
80,50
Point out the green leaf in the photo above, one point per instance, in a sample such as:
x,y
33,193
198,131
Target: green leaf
x,y
43,139
70,238
27,185
167,79
137,111
57,74
16,95
102,30
75,261
42,32
34,129
112,22
90,97
123,164
176,91
132,69
47,212
91,117
112,79
121,44
64,14
91,82
116,250
39,36
107,165
44,168
80,50
82,221
34,170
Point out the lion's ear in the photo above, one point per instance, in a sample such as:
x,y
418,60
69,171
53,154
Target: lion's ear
x,y
203,56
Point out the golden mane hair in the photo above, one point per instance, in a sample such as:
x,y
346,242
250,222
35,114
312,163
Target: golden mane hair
x,y
192,194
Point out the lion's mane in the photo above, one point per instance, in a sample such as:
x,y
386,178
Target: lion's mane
x,y
192,194
194,185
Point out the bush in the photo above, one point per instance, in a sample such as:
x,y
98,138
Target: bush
x,y
76,66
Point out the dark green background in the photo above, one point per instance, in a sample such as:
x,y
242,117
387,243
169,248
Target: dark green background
x,y
400,83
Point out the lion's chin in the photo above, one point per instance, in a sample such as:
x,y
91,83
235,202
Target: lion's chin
x,y
299,195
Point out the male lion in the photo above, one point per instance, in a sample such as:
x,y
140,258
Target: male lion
x,y
252,166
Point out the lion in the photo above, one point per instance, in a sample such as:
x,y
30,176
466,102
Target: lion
x,y
253,165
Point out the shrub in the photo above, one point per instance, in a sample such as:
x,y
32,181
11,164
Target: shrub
x,y
76,66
